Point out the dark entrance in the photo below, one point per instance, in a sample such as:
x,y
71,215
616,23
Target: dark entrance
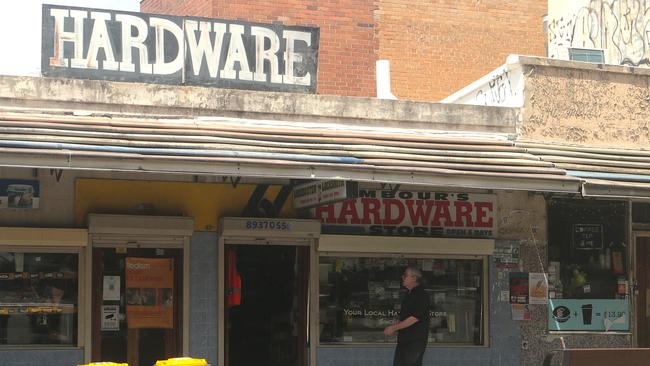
x,y
643,288
269,326
136,346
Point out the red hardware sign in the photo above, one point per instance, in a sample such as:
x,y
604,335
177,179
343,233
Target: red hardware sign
x,y
411,213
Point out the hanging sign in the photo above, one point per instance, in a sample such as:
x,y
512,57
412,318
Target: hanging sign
x,y
149,292
15,193
411,213
319,193
124,46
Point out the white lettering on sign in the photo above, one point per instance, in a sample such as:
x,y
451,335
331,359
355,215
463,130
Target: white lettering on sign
x,y
148,45
407,213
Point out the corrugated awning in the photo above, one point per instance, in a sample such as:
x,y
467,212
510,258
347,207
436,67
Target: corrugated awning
x,y
269,148
606,172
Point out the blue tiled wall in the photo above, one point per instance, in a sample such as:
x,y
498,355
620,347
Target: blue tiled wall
x,y
67,357
203,296
504,349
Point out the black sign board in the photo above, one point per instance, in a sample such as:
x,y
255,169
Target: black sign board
x,y
587,236
125,46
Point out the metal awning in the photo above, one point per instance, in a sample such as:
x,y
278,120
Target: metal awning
x,y
272,148
606,172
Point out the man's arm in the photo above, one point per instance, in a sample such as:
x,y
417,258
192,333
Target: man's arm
x,y
391,329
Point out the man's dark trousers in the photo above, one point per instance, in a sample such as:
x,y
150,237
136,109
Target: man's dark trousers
x,y
409,353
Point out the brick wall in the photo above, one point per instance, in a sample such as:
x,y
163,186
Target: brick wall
x,y
348,46
437,47
202,8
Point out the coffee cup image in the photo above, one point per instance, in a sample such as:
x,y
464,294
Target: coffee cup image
x,y
561,314
586,313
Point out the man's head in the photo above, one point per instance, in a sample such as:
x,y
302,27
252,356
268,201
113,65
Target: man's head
x,y
411,277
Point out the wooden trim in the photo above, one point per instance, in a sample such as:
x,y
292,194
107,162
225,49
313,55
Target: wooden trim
x,y
404,245
314,315
88,304
220,302
31,236
186,298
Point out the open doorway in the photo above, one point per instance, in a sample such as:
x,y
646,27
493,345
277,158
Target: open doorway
x,y
266,301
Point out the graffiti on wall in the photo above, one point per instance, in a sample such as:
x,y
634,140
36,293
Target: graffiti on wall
x,y
619,27
497,90
502,87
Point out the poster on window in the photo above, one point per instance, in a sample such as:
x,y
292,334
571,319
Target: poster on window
x,y
537,288
519,287
16,193
149,293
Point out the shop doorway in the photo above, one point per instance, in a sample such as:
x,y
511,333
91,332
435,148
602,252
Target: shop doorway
x,y
136,305
266,305
643,288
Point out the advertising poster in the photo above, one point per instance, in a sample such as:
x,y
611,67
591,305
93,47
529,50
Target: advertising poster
x,y
537,288
589,314
16,193
149,293
519,287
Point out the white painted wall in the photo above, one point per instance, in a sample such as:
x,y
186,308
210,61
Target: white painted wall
x,y
619,27
503,87
20,31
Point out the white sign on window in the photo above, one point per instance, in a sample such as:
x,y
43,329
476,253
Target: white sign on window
x,y
110,317
111,291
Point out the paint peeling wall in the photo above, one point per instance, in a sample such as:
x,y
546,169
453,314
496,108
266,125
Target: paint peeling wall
x,y
619,27
586,105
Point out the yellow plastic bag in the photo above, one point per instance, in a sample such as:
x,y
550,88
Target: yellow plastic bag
x,y
182,361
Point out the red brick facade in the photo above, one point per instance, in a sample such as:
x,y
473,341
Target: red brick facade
x,y
348,46
435,47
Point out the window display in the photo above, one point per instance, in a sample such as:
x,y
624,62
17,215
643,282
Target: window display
x,y
38,298
360,296
587,249
587,269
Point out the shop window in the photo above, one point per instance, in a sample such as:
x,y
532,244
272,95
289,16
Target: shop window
x,y
641,213
38,298
588,265
360,296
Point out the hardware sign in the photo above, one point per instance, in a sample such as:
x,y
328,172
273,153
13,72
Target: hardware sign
x,y
124,46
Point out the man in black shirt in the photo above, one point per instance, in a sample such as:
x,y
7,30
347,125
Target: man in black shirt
x,y
413,326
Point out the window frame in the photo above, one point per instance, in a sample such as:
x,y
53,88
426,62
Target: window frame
x,y
588,53
484,305
81,303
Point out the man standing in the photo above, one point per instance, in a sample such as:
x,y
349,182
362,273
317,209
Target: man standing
x,y
413,326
